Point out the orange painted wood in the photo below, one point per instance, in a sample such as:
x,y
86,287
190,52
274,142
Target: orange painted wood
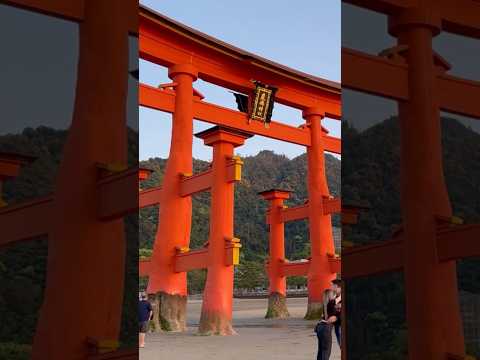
x,y
72,10
461,16
452,95
276,240
294,213
332,144
367,73
331,206
115,196
9,169
295,268
196,183
163,100
37,213
459,242
384,6
374,259
149,197
144,267
335,264
167,42
191,260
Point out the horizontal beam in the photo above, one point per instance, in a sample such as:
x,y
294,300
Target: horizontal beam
x,y
460,16
331,206
74,10
295,268
117,194
167,43
332,144
149,197
385,256
165,101
25,221
383,6
70,10
335,264
191,260
144,267
294,213
459,96
460,242
196,183
367,73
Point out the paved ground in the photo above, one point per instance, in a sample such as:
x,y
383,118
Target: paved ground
x,y
258,338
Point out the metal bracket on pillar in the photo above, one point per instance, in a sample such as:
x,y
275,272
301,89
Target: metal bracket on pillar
x,y
232,251
234,169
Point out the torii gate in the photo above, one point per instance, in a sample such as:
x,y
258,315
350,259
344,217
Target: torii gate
x,y
189,55
428,243
82,307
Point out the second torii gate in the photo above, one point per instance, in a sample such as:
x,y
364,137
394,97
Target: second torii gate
x,y
189,55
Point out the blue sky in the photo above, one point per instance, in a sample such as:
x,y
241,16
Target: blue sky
x,y
305,37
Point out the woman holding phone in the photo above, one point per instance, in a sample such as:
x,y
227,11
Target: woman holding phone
x,y
325,325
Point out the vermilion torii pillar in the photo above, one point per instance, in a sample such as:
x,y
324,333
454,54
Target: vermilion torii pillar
x,y
170,287
424,196
277,290
320,224
84,284
216,317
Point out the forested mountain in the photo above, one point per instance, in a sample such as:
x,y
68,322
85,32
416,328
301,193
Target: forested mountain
x,y
370,176
263,171
23,265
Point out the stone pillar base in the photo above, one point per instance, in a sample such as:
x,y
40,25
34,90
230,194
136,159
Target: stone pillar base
x,y
170,312
215,324
314,311
277,306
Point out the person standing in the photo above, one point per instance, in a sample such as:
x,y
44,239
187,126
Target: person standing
x,y
337,288
144,316
324,327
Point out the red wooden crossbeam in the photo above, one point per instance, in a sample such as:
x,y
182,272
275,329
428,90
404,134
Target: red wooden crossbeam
x,y
357,68
149,197
457,242
384,6
13,219
165,101
295,213
460,16
335,264
115,196
74,10
331,206
166,42
196,183
295,268
115,199
366,260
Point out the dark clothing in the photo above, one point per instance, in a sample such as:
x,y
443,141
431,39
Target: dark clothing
x,y
143,327
338,333
331,310
144,309
324,336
